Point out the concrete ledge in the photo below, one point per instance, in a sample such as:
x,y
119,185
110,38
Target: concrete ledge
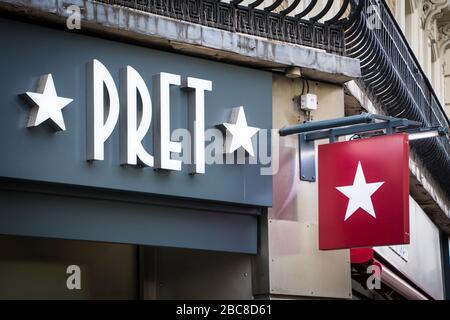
x,y
163,32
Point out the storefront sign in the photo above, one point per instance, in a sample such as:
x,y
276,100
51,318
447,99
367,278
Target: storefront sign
x,y
92,112
47,109
364,193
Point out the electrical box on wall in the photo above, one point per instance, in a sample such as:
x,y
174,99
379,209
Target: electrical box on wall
x,y
308,102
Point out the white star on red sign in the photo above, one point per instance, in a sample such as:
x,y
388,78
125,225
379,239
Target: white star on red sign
x,y
359,194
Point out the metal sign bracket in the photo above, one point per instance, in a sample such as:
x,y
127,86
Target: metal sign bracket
x,y
363,125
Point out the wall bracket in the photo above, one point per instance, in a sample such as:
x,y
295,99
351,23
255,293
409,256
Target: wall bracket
x,y
363,125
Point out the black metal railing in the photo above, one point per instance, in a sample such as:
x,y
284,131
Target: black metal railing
x,y
395,81
304,22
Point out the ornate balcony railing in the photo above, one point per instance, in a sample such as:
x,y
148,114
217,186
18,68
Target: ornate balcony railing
x,y
395,81
304,22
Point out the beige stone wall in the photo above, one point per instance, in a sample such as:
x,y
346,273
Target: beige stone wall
x,y
297,267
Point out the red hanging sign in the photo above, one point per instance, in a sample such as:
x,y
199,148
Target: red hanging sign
x,y
364,193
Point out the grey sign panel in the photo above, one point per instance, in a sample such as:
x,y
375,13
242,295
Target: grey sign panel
x,y
68,212
41,154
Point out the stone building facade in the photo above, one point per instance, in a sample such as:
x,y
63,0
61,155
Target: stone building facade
x,y
272,248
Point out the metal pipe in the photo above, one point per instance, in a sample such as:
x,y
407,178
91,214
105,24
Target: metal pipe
x,y
327,124
401,286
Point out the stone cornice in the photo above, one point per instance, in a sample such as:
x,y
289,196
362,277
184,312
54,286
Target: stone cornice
x,y
444,37
431,11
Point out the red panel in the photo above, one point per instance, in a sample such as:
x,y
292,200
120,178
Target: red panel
x,y
364,193
361,255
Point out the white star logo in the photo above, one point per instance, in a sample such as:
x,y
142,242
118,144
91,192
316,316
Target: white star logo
x,y
46,104
241,133
359,194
